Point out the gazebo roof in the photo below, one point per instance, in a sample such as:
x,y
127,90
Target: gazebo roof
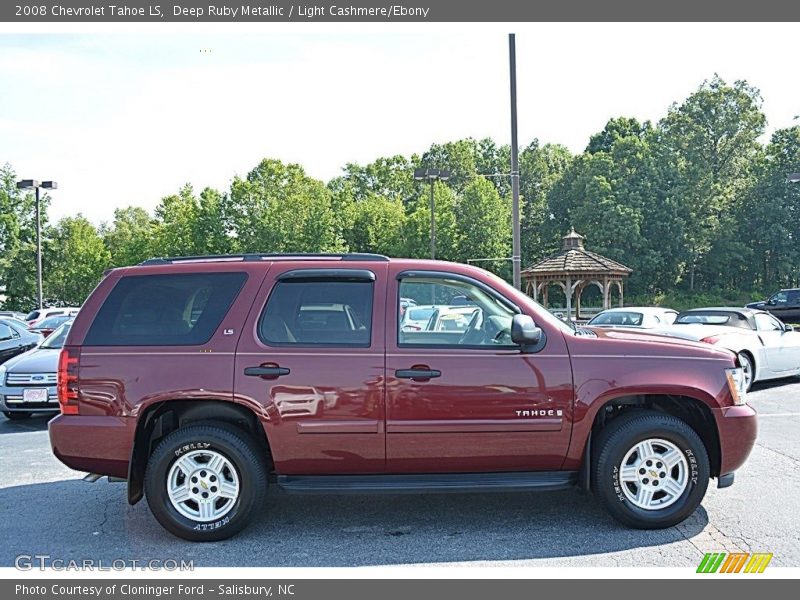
x,y
574,258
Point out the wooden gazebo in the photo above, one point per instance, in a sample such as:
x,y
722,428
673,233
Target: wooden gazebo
x,y
573,269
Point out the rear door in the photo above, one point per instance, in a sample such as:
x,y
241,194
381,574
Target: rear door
x,y
469,400
312,356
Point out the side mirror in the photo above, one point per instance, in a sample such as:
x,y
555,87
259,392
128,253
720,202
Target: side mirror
x,y
524,331
788,327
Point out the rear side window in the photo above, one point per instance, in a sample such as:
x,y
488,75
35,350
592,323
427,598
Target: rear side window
x,y
164,310
318,313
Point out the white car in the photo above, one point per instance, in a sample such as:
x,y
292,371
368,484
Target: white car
x,y
767,348
38,315
640,317
416,317
451,318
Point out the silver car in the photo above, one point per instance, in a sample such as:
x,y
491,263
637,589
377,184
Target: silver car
x,y
28,381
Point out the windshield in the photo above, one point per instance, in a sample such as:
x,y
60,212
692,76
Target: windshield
x,y
630,319
718,317
53,322
56,339
420,314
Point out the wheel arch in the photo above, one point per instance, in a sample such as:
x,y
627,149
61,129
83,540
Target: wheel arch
x,y
162,417
694,411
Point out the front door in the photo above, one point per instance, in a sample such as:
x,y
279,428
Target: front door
x,y
782,348
460,396
311,358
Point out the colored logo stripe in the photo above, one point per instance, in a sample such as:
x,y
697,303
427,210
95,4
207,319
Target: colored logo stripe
x,y
758,562
722,562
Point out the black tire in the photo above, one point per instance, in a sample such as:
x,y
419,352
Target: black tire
x,y
748,363
234,444
620,436
17,416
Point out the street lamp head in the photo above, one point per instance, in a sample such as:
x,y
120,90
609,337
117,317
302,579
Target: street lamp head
x,y
28,184
793,178
50,185
431,174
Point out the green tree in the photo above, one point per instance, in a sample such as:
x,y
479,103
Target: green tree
x,y
18,241
769,218
482,221
76,259
714,136
130,238
278,208
540,168
376,225
417,229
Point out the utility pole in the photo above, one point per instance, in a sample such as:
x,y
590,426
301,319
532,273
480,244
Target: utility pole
x,y
516,258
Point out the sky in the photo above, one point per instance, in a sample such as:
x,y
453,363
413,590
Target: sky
x,y
126,116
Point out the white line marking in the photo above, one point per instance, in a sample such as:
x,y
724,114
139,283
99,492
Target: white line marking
x,y
763,415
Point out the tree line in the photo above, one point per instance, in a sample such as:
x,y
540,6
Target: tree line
x,y
695,203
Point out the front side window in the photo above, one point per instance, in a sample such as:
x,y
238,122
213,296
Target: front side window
x,y
461,314
778,299
165,310
767,323
318,313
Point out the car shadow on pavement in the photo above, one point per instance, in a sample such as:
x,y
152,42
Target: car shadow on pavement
x,y
34,423
76,520
773,383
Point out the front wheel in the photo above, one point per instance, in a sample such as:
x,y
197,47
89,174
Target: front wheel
x,y
205,482
650,470
748,369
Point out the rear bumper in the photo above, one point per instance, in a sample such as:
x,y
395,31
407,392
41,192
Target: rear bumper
x,y
98,444
738,429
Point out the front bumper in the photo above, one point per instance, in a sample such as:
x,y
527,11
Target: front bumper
x,y
97,444
11,400
738,429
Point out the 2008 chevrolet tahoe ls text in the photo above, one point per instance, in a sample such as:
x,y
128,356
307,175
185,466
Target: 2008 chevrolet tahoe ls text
x,y
202,380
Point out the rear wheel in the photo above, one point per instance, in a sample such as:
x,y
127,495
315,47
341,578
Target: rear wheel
x,y
16,415
205,482
651,470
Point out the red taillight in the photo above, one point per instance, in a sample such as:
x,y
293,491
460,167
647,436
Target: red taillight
x,y
712,339
68,363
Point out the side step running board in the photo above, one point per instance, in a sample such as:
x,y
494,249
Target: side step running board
x,y
542,481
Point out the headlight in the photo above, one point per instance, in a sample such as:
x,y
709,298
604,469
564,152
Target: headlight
x,y
2,374
736,385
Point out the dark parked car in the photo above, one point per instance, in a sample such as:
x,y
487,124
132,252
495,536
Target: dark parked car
x,y
16,339
204,380
28,381
784,304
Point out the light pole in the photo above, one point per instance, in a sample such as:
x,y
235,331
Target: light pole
x,y
432,175
516,251
32,184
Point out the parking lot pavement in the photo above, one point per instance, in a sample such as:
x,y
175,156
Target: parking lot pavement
x,y
46,509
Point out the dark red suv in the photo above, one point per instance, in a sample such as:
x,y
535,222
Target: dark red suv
x,y
201,380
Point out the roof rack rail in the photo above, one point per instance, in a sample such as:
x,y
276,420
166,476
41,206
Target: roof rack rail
x,y
350,256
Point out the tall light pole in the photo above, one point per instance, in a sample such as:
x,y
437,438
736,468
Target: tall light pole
x,y
516,252
32,184
432,175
